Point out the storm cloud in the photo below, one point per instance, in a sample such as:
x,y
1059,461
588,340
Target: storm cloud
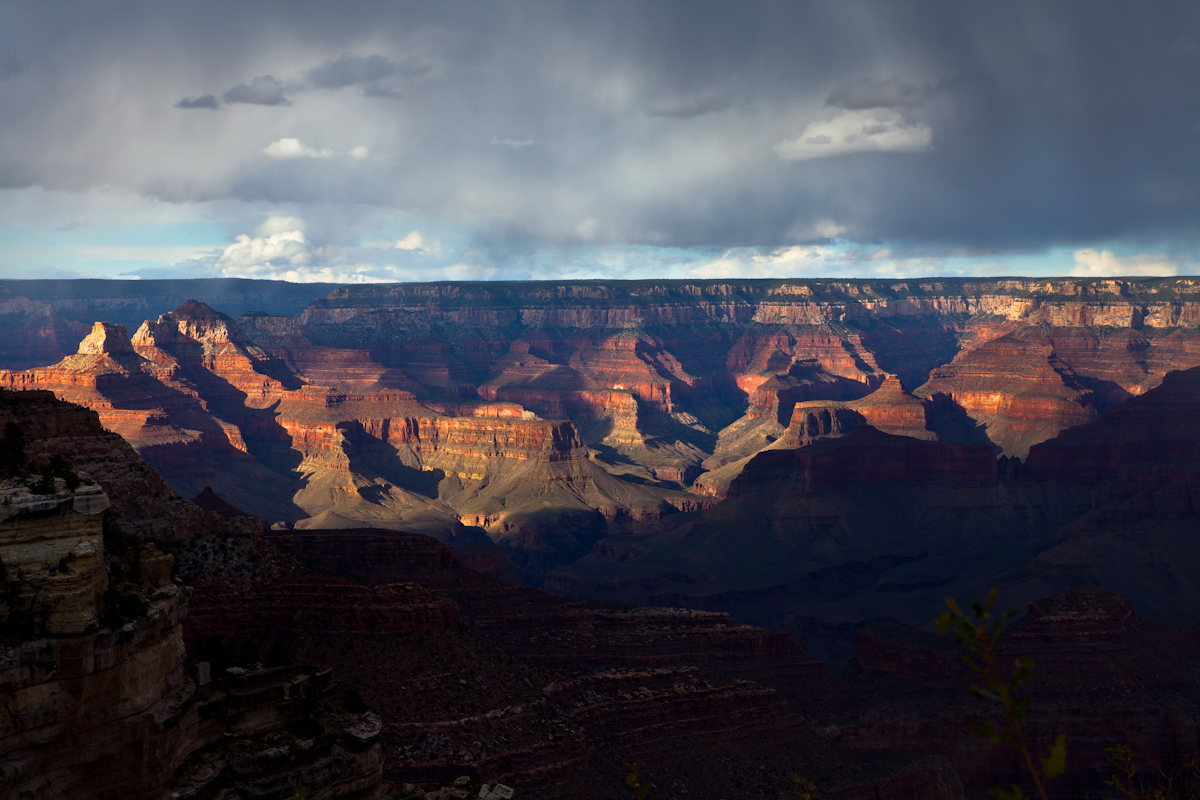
x,y
207,101
982,128
265,90
352,70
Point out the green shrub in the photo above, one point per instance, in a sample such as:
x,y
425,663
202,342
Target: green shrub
x,y
979,634
44,484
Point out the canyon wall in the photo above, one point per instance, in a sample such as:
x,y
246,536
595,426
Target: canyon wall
x,y
583,430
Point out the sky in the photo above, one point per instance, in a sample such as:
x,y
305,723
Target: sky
x,y
397,141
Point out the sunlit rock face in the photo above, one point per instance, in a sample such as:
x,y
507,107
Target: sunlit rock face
x,y
1021,392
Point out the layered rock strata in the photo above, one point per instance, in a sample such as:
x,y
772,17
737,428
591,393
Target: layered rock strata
x,y
1020,391
213,410
889,408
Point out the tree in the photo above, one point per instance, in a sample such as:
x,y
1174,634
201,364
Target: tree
x,y
979,634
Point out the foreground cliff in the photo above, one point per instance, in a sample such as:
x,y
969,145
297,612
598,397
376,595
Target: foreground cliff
x,y
98,697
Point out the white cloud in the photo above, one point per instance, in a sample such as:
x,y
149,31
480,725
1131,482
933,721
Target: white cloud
x,y
824,228
294,148
280,244
857,131
1092,263
281,249
360,152
413,241
787,262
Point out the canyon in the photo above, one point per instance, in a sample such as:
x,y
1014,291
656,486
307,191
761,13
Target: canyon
x,y
612,439
475,681
763,489
132,663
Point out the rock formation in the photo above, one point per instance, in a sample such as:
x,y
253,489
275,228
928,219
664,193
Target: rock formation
x,y
889,409
1020,391
96,697
210,409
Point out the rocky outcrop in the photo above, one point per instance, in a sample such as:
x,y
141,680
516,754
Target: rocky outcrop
x,y
893,410
92,672
813,421
889,408
52,549
1021,392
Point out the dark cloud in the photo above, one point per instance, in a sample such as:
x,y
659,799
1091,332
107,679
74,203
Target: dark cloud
x,y
379,90
864,93
203,101
265,90
692,107
10,65
1049,124
362,70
